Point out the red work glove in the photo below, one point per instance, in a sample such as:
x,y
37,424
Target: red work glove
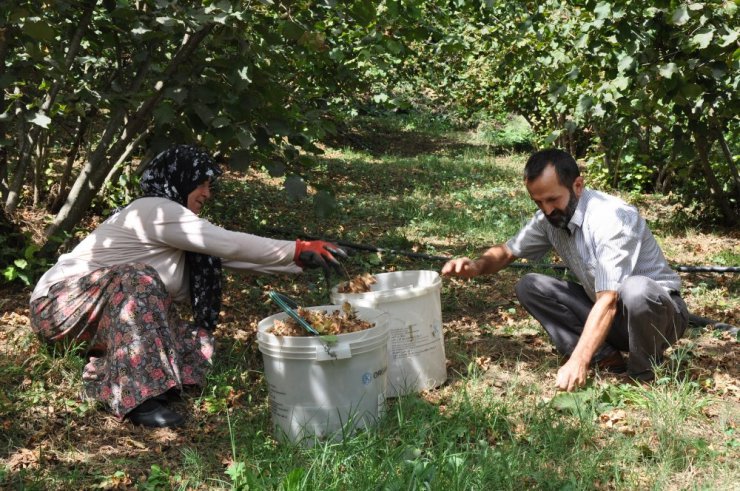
x,y
318,253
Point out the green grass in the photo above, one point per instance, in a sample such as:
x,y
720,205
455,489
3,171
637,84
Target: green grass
x,y
497,423
512,135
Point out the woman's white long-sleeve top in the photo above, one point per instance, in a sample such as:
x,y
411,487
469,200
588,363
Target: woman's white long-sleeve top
x,y
158,232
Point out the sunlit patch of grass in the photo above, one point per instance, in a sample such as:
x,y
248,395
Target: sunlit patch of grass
x,y
513,135
727,257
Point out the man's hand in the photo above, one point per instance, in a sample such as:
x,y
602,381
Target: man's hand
x,y
463,267
572,375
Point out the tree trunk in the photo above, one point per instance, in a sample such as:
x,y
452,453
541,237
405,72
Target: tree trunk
x,y
4,186
72,155
665,173
117,168
730,163
100,163
38,171
618,161
3,172
12,235
715,189
602,146
33,135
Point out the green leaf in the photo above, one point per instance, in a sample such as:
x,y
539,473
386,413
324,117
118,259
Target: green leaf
x,y
324,204
296,187
204,112
21,263
10,273
728,39
276,168
291,153
602,10
240,160
164,114
703,38
5,80
166,21
279,128
299,139
692,91
680,15
380,98
552,137
40,119
220,122
245,138
718,70
236,471
667,70
41,31
573,402
363,12
292,30
244,74
24,278
313,40
329,339
30,250
585,102
621,83
625,63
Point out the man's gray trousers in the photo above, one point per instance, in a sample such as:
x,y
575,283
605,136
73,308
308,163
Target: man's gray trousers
x,y
648,319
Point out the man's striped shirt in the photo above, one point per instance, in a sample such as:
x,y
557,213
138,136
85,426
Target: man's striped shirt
x,y
606,242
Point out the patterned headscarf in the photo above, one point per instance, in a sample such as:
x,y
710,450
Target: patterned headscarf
x,y
174,174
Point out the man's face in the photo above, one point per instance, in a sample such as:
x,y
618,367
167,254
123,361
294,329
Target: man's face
x,y
556,201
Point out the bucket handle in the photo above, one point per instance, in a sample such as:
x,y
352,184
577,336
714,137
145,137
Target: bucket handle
x,y
333,352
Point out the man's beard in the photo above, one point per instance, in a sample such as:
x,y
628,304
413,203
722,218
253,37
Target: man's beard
x,y
561,218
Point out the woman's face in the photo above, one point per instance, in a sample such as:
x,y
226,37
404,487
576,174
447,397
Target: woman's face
x,y
198,197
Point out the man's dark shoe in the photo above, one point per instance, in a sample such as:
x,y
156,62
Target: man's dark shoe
x,y
613,363
153,414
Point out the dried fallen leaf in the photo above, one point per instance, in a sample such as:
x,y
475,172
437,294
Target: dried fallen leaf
x,y
24,458
358,284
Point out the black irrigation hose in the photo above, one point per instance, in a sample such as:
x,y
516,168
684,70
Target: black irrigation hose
x,y
418,255
694,320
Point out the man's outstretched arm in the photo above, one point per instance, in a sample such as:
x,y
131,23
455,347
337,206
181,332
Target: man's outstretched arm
x,y
492,261
575,371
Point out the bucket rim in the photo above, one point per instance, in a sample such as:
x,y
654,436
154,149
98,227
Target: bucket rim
x,y
379,318
392,294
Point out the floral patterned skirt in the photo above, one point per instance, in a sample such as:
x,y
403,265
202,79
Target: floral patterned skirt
x,y
138,347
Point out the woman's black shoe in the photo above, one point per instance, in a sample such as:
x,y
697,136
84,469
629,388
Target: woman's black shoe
x,y
153,414
172,395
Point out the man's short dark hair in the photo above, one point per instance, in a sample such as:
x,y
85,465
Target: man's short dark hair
x,y
565,166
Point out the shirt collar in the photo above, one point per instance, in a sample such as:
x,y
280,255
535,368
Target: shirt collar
x,y
576,221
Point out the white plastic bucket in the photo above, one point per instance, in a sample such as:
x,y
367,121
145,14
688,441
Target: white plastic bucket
x,y
416,351
325,390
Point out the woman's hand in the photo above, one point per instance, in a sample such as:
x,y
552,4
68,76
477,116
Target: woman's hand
x,y
318,253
